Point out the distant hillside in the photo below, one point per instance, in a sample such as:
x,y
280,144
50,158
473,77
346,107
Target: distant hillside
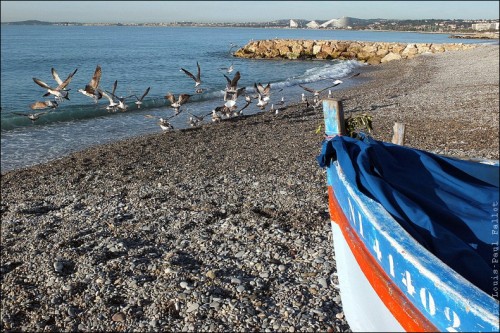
x,y
29,22
36,22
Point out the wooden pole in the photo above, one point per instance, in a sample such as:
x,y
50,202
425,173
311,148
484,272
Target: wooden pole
x,y
398,137
334,117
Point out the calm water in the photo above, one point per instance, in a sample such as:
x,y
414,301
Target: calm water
x,y
141,57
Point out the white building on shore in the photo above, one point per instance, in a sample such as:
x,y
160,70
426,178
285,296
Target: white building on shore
x,y
312,25
293,24
485,26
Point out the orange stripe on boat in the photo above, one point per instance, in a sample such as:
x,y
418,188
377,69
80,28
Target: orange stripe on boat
x,y
401,308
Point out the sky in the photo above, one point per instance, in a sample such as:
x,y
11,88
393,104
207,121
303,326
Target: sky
x,y
240,11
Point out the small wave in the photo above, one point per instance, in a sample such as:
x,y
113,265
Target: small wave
x,y
11,119
337,70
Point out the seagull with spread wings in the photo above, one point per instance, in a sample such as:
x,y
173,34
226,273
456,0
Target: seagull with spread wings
x,y
181,99
139,100
91,89
39,105
197,78
60,92
32,116
316,92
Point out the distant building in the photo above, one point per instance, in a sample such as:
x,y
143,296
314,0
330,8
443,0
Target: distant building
x,y
485,26
312,25
341,23
293,24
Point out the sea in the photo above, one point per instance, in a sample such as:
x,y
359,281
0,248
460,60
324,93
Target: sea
x,y
139,57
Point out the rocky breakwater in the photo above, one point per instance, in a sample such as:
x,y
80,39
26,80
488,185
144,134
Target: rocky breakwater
x,y
369,52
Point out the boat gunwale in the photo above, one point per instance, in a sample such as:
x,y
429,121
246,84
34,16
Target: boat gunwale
x,y
476,301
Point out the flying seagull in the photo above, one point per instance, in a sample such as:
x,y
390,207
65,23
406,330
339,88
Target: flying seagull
x,y
60,92
113,104
91,89
197,78
232,84
195,120
32,116
58,79
316,92
43,105
182,98
264,92
139,100
228,69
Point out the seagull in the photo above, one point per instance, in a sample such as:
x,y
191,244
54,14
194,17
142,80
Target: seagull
x,y
282,102
233,95
59,92
264,92
350,77
232,84
316,92
197,78
195,120
228,69
232,47
215,116
164,123
32,116
121,100
139,100
240,111
43,105
113,105
304,100
58,79
183,98
91,89
262,102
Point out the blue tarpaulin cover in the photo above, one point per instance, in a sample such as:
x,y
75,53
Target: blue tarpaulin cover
x,y
448,205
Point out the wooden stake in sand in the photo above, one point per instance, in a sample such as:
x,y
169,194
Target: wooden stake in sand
x,y
398,138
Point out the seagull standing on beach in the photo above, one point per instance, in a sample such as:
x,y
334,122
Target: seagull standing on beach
x,y
197,78
164,123
60,92
91,89
215,116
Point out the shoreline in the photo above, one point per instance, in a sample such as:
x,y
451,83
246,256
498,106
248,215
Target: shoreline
x,y
224,227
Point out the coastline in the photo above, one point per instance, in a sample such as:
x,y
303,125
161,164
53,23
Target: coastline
x,y
222,227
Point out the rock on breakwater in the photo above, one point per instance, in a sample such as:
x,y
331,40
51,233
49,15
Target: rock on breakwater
x,y
369,52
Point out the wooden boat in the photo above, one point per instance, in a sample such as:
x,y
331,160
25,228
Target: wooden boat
x,y
388,280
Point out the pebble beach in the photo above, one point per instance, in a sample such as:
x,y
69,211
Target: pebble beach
x,y
222,227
